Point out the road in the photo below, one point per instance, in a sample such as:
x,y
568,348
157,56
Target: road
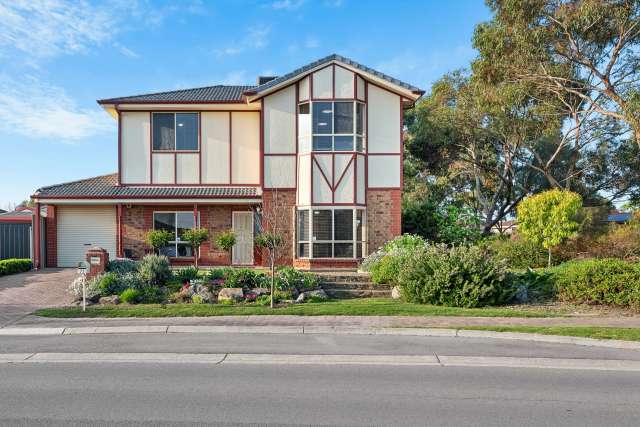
x,y
227,393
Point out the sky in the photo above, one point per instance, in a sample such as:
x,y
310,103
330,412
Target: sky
x,y
58,57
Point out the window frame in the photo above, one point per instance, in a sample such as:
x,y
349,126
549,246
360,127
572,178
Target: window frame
x,y
176,242
175,132
353,134
354,241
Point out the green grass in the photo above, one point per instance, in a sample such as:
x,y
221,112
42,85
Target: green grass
x,y
629,334
354,307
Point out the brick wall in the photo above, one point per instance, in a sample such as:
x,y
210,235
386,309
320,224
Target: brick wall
x,y
138,220
51,237
279,208
384,216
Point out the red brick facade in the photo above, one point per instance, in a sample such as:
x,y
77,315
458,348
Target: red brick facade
x,y
51,237
384,216
279,208
138,220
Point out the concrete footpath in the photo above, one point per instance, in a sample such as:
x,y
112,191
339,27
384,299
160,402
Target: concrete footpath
x,y
307,329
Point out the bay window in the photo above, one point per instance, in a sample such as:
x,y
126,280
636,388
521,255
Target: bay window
x,y
336,125
175,223
330,233
175,131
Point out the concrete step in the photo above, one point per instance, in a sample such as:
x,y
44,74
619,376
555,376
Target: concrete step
x,y
357,293
342,277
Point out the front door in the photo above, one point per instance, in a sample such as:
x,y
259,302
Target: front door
x,y
242,253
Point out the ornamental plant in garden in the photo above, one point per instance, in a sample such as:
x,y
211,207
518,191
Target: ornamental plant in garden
x,y
225,241
157,239
196,237
549,218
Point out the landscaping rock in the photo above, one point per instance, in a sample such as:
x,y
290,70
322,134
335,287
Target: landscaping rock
x,y
395,292
113,299
318,293
260,291
233,294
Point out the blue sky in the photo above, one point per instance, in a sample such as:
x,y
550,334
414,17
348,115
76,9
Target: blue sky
x,y
58,57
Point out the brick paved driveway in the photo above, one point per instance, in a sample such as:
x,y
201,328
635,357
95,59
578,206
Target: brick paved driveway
x,y
21,294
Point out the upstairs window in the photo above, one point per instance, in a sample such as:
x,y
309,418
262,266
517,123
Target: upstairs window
x,y
175,131
337,126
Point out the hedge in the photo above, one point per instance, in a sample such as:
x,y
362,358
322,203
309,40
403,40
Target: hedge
x,y
14,265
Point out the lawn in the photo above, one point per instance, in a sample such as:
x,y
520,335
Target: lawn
x,y
353,307
629,334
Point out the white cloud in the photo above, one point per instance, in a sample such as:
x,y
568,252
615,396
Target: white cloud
x,y
34,109
256,37
311,43
287,4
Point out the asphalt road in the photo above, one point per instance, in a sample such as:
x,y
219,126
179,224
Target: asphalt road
x,y
68,394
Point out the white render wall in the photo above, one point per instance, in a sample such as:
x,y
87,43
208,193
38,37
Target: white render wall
x,y
384,121
215,147
280,121
135,148
245,148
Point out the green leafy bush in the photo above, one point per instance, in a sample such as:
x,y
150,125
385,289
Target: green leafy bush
x,y
598,281
14,265
197,299
110,284
529,286
225,240
263,300
218,273
289,278
458,276
131,280
151,295
158,239
518,253
384,266
154,269
130,296
243,278
185,274
91,288
122,266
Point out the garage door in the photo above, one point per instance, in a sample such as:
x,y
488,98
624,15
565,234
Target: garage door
x,y
81,227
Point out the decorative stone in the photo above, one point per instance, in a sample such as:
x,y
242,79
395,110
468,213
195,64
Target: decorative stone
x,y
300,298
395,292
318,293
261,291
113,299
234,294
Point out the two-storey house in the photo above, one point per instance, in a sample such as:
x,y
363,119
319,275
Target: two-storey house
x,y
320,147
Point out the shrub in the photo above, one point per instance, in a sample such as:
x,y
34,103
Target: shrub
x,y
196,237
218,273
92,289
185,274
529,286
225,240
158,239
130,296
110,284
14,265
385,267
598,281
197,299
131,280
243,278
122,266
289,278
458,276
263,300
151,295
518,253
154,269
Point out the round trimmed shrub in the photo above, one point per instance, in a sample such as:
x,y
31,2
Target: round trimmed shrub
x,y
110,284
155,269
130,296
122,266
457,276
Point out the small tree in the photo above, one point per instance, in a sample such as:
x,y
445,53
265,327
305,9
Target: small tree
x,y
158,239
549,218
225,241
272,236
196,237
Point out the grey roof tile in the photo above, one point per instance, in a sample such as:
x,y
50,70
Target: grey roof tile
x,y
219,93
335,57
106,186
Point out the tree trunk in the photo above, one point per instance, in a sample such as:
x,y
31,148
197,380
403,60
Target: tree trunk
x,y
195,256
273,281
549,252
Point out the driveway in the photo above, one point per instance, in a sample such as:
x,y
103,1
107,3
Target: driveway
x,y
21,294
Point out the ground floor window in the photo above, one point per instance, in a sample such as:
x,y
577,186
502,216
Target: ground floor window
x,y
176,223
330,233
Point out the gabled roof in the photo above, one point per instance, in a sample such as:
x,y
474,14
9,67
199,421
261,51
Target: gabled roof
x,y
326,60
207,94
106,187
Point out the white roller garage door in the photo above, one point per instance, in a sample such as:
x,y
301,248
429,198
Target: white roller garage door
x,y
81,227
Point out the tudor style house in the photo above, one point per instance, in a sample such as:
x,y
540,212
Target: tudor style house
x,y
320,147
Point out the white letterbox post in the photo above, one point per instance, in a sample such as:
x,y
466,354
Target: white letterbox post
x,y
82,271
